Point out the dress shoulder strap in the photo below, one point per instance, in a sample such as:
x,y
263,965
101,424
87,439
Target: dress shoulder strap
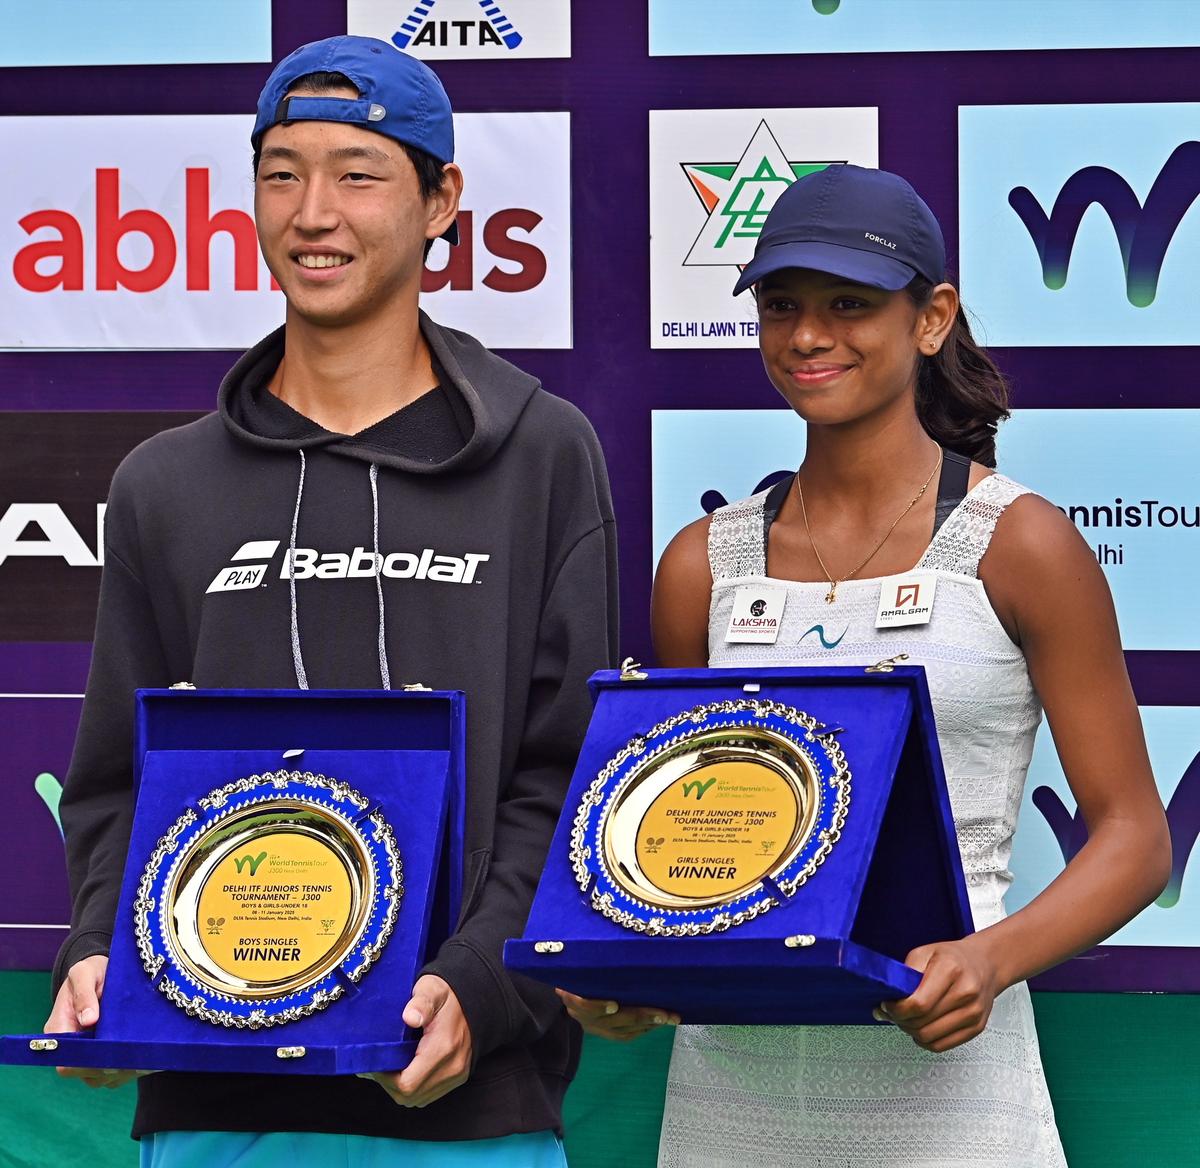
x,y
735,539
964,536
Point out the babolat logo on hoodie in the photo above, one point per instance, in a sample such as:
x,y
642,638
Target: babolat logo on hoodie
x,y
249,565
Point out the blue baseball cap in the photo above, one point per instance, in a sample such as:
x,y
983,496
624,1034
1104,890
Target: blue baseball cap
x,y
398,96
865,225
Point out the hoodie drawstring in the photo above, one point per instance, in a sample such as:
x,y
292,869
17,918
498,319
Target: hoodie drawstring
x,y
297,659
384,673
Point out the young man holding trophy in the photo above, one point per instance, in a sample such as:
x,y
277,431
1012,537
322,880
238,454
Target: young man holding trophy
x,y
424,513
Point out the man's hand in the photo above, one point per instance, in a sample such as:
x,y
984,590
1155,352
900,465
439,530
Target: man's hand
x,y
613,1021
76,1008
954,1000
443,1058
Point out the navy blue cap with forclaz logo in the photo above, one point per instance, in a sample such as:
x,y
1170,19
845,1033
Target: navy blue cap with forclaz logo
x,y
868,226
398,96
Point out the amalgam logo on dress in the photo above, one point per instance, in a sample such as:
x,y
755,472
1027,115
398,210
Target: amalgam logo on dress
x,y
737,197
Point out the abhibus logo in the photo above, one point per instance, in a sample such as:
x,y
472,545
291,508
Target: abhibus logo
x,y
63,259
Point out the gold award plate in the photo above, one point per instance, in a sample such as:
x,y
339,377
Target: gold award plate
x,y
283,888
711,817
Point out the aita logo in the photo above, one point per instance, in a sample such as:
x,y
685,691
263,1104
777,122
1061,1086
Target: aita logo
x,y
249,861
738,194
249,566
1144,231
425,27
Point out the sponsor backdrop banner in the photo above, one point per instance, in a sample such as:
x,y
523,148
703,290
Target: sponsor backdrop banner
x,y
620,158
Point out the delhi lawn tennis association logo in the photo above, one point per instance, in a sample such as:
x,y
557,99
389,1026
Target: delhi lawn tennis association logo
x,y
714,177
479,29
1144,231
738,195
250,566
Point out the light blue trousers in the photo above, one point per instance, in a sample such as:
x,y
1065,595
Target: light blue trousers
x,y
319,1150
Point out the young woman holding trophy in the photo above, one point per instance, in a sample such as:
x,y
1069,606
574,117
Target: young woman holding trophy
x,y
867,342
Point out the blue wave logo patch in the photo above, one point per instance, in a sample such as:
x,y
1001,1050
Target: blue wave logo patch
x,y
825,642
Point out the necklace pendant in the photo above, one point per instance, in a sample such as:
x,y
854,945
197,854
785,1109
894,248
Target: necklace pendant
x,y
831,595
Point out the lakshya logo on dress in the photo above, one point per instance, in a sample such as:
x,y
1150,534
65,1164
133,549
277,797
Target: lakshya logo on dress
x,y
307,563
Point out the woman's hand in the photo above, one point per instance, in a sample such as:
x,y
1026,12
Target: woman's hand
x,y
954,1000
608,1019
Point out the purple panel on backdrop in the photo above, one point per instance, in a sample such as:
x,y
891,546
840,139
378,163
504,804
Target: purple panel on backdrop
x,y
39,717
1118,968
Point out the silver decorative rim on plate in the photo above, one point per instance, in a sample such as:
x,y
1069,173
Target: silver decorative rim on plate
x,y
742,718
344,821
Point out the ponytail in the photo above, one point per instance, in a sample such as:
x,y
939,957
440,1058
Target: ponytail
x,y
961,396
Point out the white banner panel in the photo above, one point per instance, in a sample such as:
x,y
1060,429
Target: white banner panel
x,y
440,30
509,281
714,175
137,233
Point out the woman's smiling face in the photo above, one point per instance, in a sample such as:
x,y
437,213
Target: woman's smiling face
x,y
836,350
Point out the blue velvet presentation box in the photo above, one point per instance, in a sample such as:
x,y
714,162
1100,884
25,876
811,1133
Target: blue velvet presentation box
x,y
391,766
821,939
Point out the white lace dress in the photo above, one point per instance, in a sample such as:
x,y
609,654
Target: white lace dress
x,y
867,1096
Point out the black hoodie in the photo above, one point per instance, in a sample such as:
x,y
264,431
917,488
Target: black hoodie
x,y
489,503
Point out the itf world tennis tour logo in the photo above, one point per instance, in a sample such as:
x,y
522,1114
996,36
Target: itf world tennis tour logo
x,y
1089,232
714,176
137,233
440,30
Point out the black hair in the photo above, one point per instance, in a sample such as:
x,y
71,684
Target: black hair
x,y
961,396
431,174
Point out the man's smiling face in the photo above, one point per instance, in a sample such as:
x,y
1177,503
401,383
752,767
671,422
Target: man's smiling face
x,y
341,219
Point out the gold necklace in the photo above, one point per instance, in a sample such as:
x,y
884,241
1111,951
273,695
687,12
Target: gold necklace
x,y
831,595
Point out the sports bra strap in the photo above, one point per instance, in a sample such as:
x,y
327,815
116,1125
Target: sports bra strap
x,y
952,486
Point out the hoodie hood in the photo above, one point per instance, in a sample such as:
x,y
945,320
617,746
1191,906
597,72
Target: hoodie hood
x,y
464,361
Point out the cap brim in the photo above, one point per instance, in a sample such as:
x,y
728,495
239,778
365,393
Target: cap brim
x,y
851,263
